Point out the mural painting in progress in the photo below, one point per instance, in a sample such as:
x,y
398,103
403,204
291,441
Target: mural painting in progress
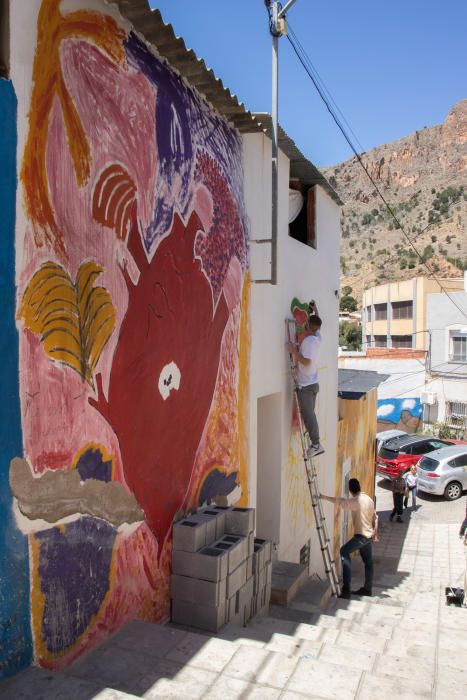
x,y
133,309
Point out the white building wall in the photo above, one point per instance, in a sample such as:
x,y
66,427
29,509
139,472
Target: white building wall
x,y
305,273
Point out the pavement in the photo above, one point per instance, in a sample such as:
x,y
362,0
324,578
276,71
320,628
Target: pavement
x,y
403,642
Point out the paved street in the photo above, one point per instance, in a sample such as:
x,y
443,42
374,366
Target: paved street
x,y
404,642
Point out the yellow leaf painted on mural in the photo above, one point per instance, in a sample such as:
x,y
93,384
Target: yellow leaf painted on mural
x,y
74,320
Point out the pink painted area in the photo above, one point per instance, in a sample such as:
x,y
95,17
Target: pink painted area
x,y
199,328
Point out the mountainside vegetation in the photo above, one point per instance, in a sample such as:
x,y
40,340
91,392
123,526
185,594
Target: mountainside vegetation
x,y
423,177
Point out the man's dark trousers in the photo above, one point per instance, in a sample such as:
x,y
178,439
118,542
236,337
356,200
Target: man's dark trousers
x,y
364,546
398,499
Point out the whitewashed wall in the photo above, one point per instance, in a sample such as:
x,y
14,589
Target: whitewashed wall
x,y
278,485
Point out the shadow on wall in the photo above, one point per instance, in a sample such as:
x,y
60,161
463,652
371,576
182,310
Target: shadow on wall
x,y
15,632
402,414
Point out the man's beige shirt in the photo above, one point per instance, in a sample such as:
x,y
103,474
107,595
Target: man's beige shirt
x,y
363,513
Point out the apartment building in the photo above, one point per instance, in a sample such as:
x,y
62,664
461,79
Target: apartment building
x,y
394,314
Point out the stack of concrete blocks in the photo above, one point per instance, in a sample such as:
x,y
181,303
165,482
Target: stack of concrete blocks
x,y
220,573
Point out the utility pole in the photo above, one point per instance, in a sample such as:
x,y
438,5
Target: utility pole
x,y
278,28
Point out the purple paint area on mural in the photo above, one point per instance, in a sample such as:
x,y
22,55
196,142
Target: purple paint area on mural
x,y
74,569
217,484
184,124
91,465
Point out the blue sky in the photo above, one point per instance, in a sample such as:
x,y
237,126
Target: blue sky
x,y
392,67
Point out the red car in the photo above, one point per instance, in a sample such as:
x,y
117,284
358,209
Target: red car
x,y
403,451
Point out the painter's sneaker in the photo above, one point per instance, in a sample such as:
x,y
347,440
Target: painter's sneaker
x,y
315,450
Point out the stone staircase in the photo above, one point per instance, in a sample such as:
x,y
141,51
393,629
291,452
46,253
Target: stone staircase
x,y
403,643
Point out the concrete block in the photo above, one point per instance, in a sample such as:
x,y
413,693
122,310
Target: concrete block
x,y
195,590
251,544
240,521
236,579
259,554
240,618
208,564
189,535
220,519
249,567
267,547
211,525
246,593
237,547
199,616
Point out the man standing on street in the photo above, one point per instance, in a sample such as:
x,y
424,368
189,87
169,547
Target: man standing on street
x,y
398,490
365,525
306,359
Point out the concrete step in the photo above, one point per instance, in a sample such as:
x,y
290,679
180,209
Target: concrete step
x,y
287,579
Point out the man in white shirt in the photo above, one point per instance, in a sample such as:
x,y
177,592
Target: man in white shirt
x,y
306,359
365,525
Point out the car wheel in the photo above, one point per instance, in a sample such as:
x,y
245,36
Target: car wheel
x,y
453,491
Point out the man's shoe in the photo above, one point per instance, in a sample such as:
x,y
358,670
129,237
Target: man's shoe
x,y
315,450
391,518
344,594
399,519
362,591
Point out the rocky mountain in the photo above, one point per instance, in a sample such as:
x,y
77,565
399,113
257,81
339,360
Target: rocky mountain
x,y
423,177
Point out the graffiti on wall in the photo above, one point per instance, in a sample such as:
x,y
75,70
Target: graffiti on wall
x,y
15,634
133,310
403,414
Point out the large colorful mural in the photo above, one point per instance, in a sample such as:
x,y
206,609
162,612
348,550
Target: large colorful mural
x,y
15,633
133,312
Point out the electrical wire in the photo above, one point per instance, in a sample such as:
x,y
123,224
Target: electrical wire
x,y
306,63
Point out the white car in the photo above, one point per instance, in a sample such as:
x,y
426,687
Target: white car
x,y
386,435
444,472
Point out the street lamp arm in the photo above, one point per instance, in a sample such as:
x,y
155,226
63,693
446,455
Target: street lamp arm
x,y
282,12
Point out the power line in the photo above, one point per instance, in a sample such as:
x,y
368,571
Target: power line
x,y
306,63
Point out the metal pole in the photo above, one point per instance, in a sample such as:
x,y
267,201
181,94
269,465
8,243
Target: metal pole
x,y
275,160
285,9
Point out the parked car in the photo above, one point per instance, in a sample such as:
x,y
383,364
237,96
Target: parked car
x,y
384,436
444,472
403,451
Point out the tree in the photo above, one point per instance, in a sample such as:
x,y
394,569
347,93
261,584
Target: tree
x,y
346,291
350,336
348,303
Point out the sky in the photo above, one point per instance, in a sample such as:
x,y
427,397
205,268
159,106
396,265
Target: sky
x,y
391,67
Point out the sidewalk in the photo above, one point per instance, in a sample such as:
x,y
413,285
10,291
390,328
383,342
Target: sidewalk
x,y
403,642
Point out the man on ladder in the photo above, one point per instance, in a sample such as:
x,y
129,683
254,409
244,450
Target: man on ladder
x,y
306,360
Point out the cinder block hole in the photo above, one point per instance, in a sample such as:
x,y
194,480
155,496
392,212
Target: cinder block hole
x,y
187,523
240,510
231,538
212,552
223,545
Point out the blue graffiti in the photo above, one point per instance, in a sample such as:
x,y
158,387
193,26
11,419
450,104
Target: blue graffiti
x,y
392,409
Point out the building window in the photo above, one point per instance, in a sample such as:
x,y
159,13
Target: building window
x,y
381,312
401,341
303,225
456,414
457,346
368,341
381,341
368,313
402,309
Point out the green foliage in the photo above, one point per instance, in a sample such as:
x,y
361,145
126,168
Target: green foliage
x,y
346,290
350,335
434,239
428,253
343,264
